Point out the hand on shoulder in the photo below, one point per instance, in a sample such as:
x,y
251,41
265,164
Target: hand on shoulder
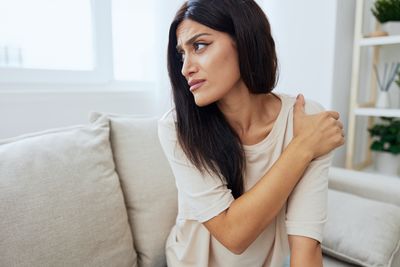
x,y
319,133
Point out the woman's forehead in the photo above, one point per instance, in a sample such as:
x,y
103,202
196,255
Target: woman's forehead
x,y
189,28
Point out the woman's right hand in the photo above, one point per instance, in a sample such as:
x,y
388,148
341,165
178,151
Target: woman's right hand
x,y
318,133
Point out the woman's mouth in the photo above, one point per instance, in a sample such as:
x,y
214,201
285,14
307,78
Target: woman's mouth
x,y
196,85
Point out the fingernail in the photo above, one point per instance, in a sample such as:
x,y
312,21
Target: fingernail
x,y
297,97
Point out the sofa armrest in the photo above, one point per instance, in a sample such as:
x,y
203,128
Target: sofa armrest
x,y
372,186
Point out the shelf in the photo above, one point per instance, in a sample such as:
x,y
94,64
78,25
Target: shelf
x,y
385,40
377,112
362,70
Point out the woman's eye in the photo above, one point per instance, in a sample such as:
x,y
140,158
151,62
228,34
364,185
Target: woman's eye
x,y
196,46
199,46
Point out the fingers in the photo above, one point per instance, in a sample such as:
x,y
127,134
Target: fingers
x,y
339,126
333,114
340,131
299,105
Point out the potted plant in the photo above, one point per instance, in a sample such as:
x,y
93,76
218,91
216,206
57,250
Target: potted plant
x,y
386,145
387,12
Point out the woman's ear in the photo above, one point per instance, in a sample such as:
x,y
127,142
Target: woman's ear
x,y
233,40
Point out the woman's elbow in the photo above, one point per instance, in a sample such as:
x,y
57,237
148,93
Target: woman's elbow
x,y
227,234
236,246
236,249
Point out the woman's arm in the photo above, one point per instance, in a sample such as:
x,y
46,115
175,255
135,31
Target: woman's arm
x,y
304,252
306,211
239,225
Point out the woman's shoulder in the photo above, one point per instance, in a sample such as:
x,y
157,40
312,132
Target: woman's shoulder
x,y
168,118
311,106
166,126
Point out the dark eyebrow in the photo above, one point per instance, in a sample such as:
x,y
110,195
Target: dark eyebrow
x,y
191,40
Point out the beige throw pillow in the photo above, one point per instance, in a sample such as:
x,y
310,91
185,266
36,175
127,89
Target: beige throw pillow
x,y
362,231
147,182
61,203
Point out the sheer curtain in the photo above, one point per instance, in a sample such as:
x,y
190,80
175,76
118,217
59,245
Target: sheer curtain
x,y
165,12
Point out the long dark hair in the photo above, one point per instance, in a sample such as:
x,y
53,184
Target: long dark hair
x,y
205,136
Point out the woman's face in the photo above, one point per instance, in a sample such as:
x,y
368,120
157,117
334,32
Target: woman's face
x,y
210,61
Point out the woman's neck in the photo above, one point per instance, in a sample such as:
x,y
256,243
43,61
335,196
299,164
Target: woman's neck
x,y
245,111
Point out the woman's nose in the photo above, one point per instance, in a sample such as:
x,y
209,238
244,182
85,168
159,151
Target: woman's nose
x,y
189,67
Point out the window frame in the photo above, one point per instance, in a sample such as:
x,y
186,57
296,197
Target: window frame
x,y
102,72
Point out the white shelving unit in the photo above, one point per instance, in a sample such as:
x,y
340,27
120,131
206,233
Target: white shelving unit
x,y
377,112
386,40
367,109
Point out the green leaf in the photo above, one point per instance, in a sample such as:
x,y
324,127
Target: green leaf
x,y
386,10
386,135
377,146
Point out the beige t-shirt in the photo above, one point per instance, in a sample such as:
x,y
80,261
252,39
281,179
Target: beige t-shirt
x,y
202,197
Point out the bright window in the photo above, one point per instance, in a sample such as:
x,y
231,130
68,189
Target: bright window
x,y
46,34
77,41
133,39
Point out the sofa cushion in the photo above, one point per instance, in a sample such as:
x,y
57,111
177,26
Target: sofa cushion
x,y
333,262
361,231
367,185
61,203
147,182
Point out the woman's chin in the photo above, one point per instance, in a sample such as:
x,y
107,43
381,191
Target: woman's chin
x,y
200,101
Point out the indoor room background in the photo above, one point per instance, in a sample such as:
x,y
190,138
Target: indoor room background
x,y
59,60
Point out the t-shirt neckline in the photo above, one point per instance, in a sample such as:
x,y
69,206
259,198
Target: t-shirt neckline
x,y
269,139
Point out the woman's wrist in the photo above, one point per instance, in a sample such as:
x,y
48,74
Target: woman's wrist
x,y
297,146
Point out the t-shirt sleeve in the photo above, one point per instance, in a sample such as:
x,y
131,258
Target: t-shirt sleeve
x,y
203,195
306,211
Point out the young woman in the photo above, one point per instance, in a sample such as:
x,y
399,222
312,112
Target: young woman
x,y
250,165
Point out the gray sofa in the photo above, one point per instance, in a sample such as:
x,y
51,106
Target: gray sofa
x,y
103,194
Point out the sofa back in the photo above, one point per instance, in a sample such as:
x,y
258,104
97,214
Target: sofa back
x,y
363,225
104,195
376,187
60,200
147,182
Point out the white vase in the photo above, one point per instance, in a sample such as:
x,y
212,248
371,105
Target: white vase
x,y
387,163
391,27
383,100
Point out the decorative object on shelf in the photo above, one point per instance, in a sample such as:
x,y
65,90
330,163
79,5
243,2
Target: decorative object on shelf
x,y
386,145
392,27
398,79
384,83
356,144
387,12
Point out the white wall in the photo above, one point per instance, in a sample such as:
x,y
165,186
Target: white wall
x,y
314,43
304,32
341,83
23,111
31,108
